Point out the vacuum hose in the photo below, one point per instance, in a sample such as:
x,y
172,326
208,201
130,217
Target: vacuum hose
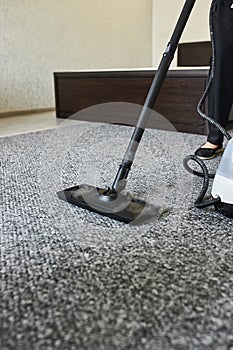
x,y
199,203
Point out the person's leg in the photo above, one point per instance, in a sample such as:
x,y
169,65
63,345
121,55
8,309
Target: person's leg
x,y
221,91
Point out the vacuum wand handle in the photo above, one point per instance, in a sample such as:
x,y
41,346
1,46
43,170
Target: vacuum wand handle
x,y
120,179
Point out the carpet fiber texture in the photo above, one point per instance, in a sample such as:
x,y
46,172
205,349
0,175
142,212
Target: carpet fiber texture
x,y
71,279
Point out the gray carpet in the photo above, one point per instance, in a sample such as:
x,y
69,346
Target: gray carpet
x,y
71,279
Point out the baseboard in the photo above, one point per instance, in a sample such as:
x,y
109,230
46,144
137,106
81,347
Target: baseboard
x,y
27,111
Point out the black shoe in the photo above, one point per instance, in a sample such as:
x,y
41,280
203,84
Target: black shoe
x,y
208,153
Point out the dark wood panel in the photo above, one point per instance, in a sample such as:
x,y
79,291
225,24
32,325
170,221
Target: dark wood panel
x,y
194,54
177,101
76,94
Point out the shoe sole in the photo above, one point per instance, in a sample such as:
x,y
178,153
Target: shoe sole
x,y
215,154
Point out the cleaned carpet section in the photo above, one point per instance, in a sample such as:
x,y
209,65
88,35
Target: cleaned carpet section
x,y
71,279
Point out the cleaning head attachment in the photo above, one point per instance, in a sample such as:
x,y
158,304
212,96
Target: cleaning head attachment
x,y
120,206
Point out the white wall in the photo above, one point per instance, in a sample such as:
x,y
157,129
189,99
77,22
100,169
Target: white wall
x,y
38,37
165,16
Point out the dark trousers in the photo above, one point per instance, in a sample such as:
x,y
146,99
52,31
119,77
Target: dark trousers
x,y
221,92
